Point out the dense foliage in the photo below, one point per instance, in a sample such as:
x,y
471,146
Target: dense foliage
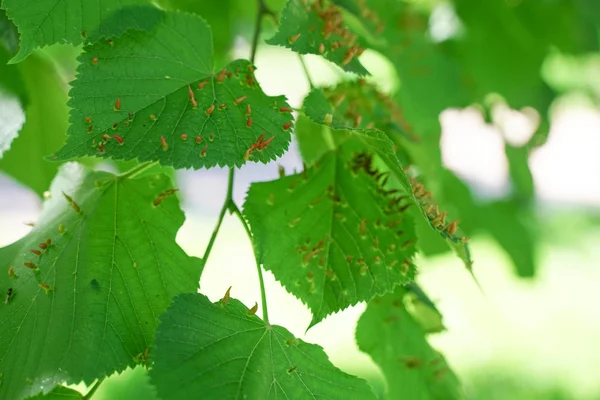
x,y
100,284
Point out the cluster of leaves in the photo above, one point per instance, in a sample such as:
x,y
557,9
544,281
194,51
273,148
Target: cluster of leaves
x,y
100,284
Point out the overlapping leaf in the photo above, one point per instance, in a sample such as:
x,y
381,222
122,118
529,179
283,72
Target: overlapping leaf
x,y
401,30
221,351
334,235
45,22
311,27
43,98
156,96
358,104
397,343
330,112
87,285
135,17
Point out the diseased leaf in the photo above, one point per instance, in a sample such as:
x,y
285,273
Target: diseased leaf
x,y
318,109
357,104
400,30
334,235
88,283
220,351
45,22
311,27
397,343
155,96
46,121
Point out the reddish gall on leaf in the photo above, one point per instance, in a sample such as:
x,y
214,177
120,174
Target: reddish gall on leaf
x,y
191,97
164,144
221,75
292,39
203,152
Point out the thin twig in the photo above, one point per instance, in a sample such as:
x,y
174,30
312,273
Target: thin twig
x,y
263,294
305,68
226,206
263,10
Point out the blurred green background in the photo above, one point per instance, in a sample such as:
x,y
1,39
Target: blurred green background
x,y
510,133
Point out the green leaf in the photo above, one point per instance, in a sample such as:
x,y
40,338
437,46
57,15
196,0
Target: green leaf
x,y
46,121
42,23
511,226
520,174
157,92
310,27
334,235
397,343
133,384
11,80
9,37
220,351
401,30
110,269
140,18
423,309
12,118
314,140
358,104
60,393
226,20
12,115
317,107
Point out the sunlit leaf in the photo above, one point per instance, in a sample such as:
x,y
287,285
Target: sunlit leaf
x,y
88,283
156,96
220,351
334,235
131,384
423,309
313,27
46,121
397,343
60,393
511,226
